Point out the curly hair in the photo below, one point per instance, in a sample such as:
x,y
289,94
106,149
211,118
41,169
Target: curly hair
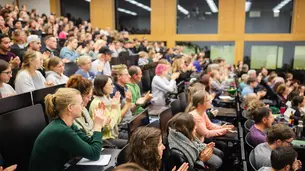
x,y
80,83
143,148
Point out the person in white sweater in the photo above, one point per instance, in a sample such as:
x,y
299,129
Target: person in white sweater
x,y
55,71
160,85
28,78
5,75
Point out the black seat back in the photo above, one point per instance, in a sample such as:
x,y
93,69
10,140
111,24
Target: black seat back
x,y
164,117
140,120
15,102
252,160
122,157
175,106
249,146
115,61
70,68
183,100
40,94
18,132
146,81
248,124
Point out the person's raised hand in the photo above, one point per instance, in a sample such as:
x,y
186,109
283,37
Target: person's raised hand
x,y
206,154
175,75
100,119
46,55
11,168
128,96
183,167
116,98
15,62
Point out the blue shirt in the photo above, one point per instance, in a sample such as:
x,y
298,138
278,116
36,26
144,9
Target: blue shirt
x,y
247,90
72,55
89,75
197,66
242,85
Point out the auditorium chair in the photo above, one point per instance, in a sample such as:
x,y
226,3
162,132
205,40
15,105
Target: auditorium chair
x,y
18,132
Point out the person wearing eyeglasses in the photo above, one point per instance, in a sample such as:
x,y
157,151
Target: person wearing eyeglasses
x,y
5,75
283,159
278,135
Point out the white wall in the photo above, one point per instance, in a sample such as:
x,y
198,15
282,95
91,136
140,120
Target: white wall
x,y
3,2
42,6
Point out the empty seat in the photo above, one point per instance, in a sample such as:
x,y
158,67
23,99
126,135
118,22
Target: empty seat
x,y
18,132
15,102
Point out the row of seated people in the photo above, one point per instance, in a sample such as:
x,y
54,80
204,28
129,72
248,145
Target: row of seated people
x,y
103,88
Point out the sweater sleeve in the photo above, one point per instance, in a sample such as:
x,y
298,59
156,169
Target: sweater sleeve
x,y
203,130
76,142
161,85
24,84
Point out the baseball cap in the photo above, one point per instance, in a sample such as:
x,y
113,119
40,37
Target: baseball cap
x,y
105,50
32,38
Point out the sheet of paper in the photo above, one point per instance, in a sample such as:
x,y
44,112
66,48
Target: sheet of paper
x,y
103,161
288,113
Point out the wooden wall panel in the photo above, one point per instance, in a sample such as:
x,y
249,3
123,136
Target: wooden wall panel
x,y
299,17
226,17
55,7
102,13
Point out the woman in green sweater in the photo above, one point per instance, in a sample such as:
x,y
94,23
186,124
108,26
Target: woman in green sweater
x,y
61,140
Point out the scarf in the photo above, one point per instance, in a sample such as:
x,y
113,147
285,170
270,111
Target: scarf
x,y
180,142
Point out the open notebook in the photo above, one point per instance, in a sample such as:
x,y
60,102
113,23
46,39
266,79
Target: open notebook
x,y
103,161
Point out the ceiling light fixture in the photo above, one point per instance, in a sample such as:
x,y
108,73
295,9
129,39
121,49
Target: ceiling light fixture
x,y
139,4
212,6
248,6
127,11
183,10
277,8
88,0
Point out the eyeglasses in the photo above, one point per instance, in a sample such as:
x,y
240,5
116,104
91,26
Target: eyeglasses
x,y
8,72
289,143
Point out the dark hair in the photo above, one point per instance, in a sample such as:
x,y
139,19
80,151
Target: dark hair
x,y
99,83
260,113
251,80
83,85
3,36
3,65
133,70
129,167
183,123
143,148
283,156
297,100
281,89
205,80
279,132
293,94
261,88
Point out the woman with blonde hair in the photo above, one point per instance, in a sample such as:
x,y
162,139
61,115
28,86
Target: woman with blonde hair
x,y
55,71
70,52
28,78
61,140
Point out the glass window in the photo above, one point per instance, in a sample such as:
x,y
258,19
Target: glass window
x,y
268,16
197,17
75,10
133,16
274,55
213,50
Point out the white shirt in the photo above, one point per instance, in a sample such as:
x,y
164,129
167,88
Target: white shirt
x,y
160,86
6,90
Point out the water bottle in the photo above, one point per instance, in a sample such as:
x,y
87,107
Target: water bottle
x,y
300,130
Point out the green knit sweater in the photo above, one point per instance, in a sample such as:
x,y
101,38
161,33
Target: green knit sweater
x,y
58,143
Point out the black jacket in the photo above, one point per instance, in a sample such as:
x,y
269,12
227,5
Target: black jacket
x,y
177,158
